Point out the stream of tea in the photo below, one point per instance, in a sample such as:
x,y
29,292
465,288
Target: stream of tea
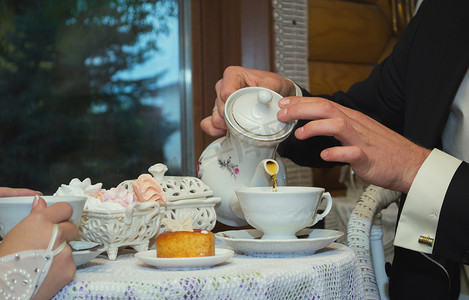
x,y
272,168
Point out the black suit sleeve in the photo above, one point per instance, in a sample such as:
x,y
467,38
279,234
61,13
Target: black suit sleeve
x,y
452,236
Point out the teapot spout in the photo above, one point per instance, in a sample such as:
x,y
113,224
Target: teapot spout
x,y
264,171
262,175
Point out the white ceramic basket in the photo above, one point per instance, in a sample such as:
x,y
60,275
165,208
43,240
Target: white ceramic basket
x,y
134,227
185,197
141,222
201,211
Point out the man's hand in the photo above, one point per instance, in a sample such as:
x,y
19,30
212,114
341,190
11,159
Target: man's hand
x,y
376,153
235,78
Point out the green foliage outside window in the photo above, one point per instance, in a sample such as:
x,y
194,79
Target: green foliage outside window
x,y
64,110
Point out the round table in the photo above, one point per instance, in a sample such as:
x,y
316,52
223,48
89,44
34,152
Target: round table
x,y
330,273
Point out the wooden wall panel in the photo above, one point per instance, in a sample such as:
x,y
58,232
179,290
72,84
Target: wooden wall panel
x,y
216,32
329,77
385,7
388,49
347,31
225,33
256,34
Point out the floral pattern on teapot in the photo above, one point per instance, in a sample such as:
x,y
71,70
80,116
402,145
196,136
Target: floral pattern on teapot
x,y
231,167
227,164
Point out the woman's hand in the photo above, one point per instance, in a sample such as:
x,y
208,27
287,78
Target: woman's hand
x,y
15,192
376,153
34,232
235,78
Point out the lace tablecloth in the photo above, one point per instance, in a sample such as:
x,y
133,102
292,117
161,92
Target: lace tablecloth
x,y
331,273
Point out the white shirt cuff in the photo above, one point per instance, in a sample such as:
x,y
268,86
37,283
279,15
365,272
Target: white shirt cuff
x,y
421,211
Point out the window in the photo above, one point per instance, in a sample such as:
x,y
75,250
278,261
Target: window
x,y
93,88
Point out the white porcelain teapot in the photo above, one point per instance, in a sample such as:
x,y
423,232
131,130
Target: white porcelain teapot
x,y
231,162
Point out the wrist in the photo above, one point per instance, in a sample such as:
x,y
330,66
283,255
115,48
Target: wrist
x,y
414,164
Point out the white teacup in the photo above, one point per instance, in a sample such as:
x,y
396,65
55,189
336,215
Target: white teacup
x,y
279,215
15,209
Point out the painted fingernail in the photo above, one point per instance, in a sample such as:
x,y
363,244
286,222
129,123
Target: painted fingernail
x,y
35,201
284,101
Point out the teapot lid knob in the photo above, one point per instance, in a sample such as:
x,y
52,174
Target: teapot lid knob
x,y
252,112
264,97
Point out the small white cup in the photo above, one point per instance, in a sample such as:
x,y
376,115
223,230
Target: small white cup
x,y
15,209
279,215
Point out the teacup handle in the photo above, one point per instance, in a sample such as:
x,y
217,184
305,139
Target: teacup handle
x,y
321,216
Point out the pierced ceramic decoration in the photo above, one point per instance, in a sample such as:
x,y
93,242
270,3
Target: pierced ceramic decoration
x,y
186,197
130,214
116,219
253,135
134,227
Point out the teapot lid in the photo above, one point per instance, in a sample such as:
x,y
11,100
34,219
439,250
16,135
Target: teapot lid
x,y
252,112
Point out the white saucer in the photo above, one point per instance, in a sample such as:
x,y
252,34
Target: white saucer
x,y
249,242
84,252
149,258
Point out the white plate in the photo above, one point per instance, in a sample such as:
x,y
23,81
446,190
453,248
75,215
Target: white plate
x,y
85,251
149,258
249,242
